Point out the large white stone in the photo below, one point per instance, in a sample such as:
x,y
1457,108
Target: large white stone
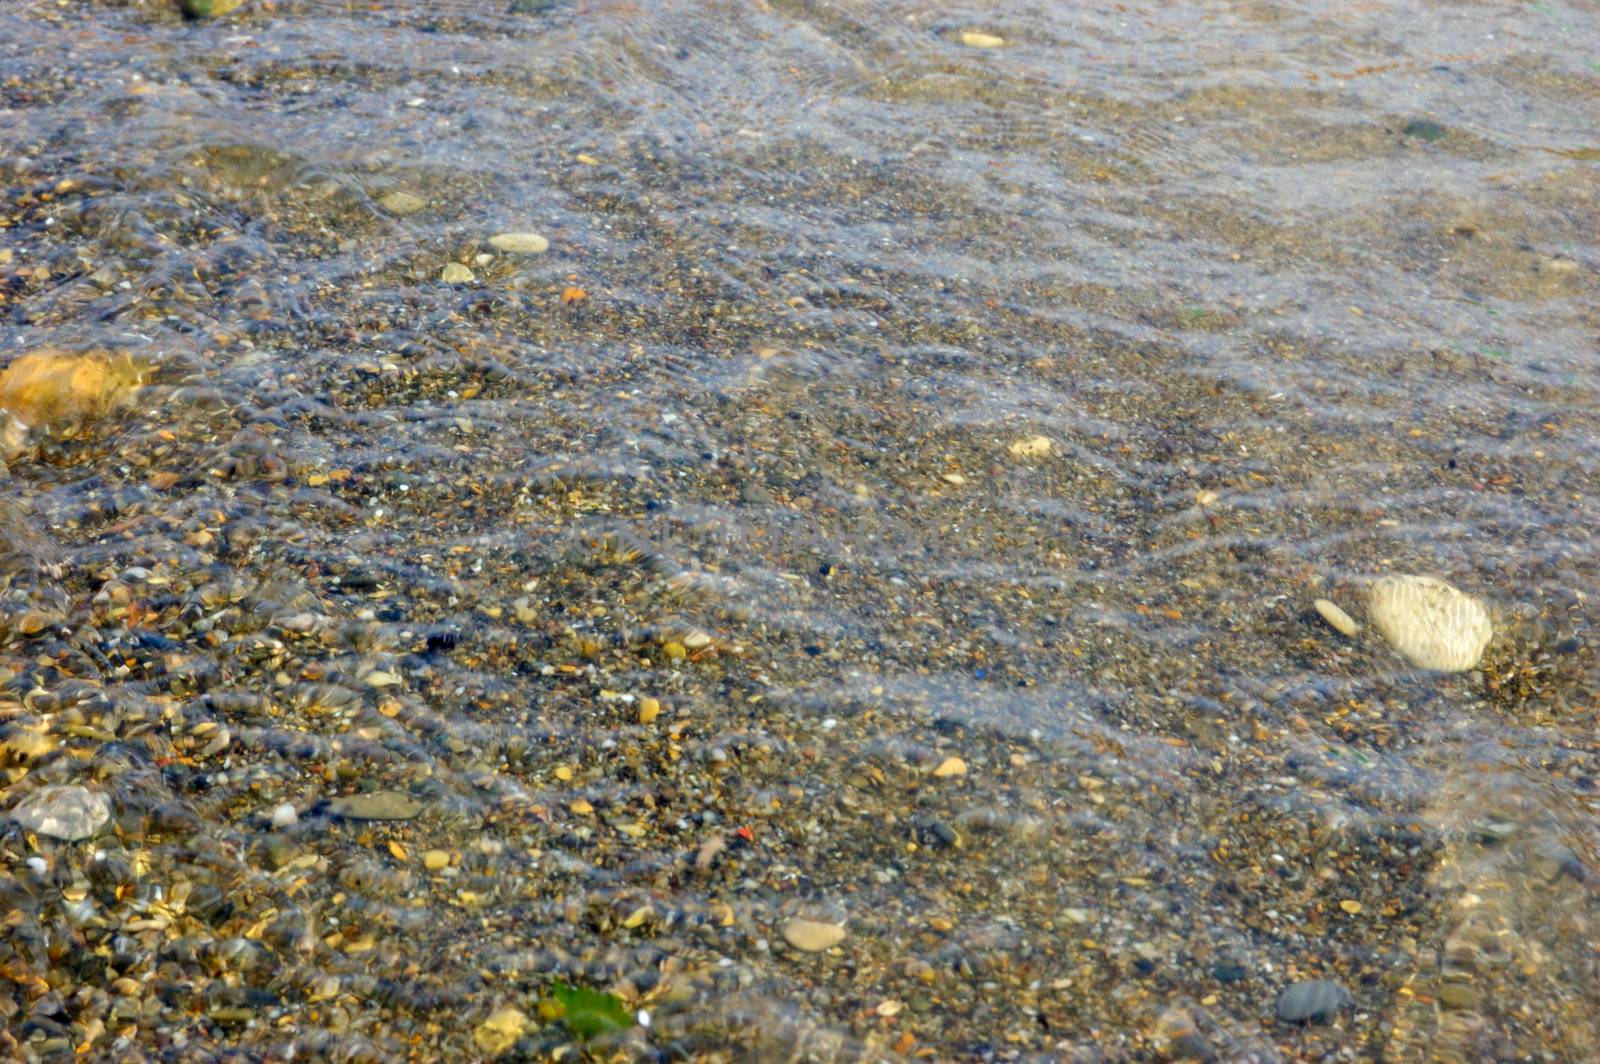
x,y
1431,624
65,811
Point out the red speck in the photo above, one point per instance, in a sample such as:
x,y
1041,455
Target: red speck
x,y
745,833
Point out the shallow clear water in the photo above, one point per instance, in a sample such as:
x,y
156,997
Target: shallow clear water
x,y
1299,294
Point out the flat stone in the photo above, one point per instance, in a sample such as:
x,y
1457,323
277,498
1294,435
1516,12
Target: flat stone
x,y
812,936
979,39
1460,996
1313,1001
1339,620
402,203
1431,624
64,811
455,273
208,8
378,805
521,243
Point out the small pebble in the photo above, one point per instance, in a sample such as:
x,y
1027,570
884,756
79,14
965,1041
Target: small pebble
x,y
1033,447
950,766
1337,618
455,273
524,243
812,936
377,805
402,203
979,39
500,1030
284,816
1314,1001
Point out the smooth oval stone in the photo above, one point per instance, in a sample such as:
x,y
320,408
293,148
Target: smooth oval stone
x,y
812,936
64,811
1314,1000
525,243
1430,623
378,805
1337,618
402,203
979,39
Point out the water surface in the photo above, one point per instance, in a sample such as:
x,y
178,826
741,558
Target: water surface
x,y
1298,293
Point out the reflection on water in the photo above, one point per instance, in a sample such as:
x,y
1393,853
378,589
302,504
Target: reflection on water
x,y
689,609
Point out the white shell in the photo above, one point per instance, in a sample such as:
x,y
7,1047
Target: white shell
x,y
1431,624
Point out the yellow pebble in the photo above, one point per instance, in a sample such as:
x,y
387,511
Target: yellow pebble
x,y
435,860
649,710
563,773
1350,906
581,806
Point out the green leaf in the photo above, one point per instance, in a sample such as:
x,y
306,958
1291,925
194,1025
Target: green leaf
x,y
588,1012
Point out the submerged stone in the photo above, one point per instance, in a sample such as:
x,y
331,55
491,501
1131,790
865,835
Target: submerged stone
x,y
402,203
378,805
524,243
65,811
1337,618
208,8
1430,623
1315,1000
812,936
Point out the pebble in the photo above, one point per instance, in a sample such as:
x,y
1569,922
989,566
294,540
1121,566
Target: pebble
x,y
649,709
1337,618
978,39
950,766
500,1030
1460,996
812,936
64,811
455,273
47,385
1430,623
524,243
1033,447
436,860
402,203
1315,1000
378,805
207,8
284,816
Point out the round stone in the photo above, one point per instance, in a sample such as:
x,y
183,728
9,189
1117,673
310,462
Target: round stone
x,y
65,811
1313,1001
1431,624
